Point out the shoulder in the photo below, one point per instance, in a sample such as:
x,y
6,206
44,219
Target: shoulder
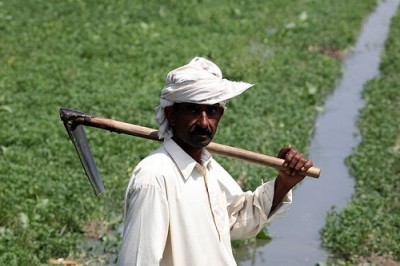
x,y
217,167
152,169
225,180
155,161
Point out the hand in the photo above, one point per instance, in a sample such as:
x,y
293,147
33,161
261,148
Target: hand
x,y
290,176
295,162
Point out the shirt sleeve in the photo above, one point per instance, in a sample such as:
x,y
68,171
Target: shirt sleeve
x,y
248,211
145,227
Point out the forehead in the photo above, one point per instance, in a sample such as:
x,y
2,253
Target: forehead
x,y
196,105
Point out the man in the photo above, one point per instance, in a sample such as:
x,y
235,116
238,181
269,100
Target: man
x,y
181,206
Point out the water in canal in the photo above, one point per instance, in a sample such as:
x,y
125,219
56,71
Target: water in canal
x,y
296,239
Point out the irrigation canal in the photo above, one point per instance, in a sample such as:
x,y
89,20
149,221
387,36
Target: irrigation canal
x,y
295,238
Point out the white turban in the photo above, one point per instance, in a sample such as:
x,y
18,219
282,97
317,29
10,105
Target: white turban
x,y
200,82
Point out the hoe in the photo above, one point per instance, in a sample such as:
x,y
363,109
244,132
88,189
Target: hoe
x,y
75,120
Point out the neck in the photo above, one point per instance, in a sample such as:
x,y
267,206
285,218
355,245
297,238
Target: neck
x,y
194,152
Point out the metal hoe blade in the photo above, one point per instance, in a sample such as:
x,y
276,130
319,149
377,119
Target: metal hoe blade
x,y
78,138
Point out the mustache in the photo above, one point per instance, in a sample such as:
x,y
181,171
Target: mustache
x,y
201,130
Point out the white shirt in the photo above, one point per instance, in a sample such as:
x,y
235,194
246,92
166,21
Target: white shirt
x,y
178,212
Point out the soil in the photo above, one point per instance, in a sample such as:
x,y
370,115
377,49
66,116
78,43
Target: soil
x,y
378,260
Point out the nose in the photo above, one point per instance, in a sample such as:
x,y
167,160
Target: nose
x,y
203,120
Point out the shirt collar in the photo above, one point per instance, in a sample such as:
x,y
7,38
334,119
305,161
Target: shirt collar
x,y
184,162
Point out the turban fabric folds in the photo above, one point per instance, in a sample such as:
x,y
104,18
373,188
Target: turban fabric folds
x,y
201,82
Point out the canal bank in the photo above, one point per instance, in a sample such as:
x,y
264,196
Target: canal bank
x,y
296,238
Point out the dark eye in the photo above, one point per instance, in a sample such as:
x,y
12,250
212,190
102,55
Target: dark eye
x,y
192,109
213,110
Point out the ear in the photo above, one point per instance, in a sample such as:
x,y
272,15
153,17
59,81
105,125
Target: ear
x,y
170,115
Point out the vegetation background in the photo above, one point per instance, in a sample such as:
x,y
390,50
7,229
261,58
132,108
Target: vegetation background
x,y
368,230
111,58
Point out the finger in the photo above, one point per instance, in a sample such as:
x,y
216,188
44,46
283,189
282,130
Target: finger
x,y
307,165
288,158
290,153
295,158
282,153
300,165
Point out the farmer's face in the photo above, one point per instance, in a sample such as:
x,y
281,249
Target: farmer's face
x,y
194,125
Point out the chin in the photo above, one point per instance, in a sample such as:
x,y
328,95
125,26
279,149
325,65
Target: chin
x,y
205,140
201,143
205,143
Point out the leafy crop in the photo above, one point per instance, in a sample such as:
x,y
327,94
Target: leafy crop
x,y
110,59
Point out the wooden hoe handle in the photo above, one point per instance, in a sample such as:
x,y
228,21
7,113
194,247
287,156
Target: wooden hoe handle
x,y
74,117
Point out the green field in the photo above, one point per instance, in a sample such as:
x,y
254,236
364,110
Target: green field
x,y
110,58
